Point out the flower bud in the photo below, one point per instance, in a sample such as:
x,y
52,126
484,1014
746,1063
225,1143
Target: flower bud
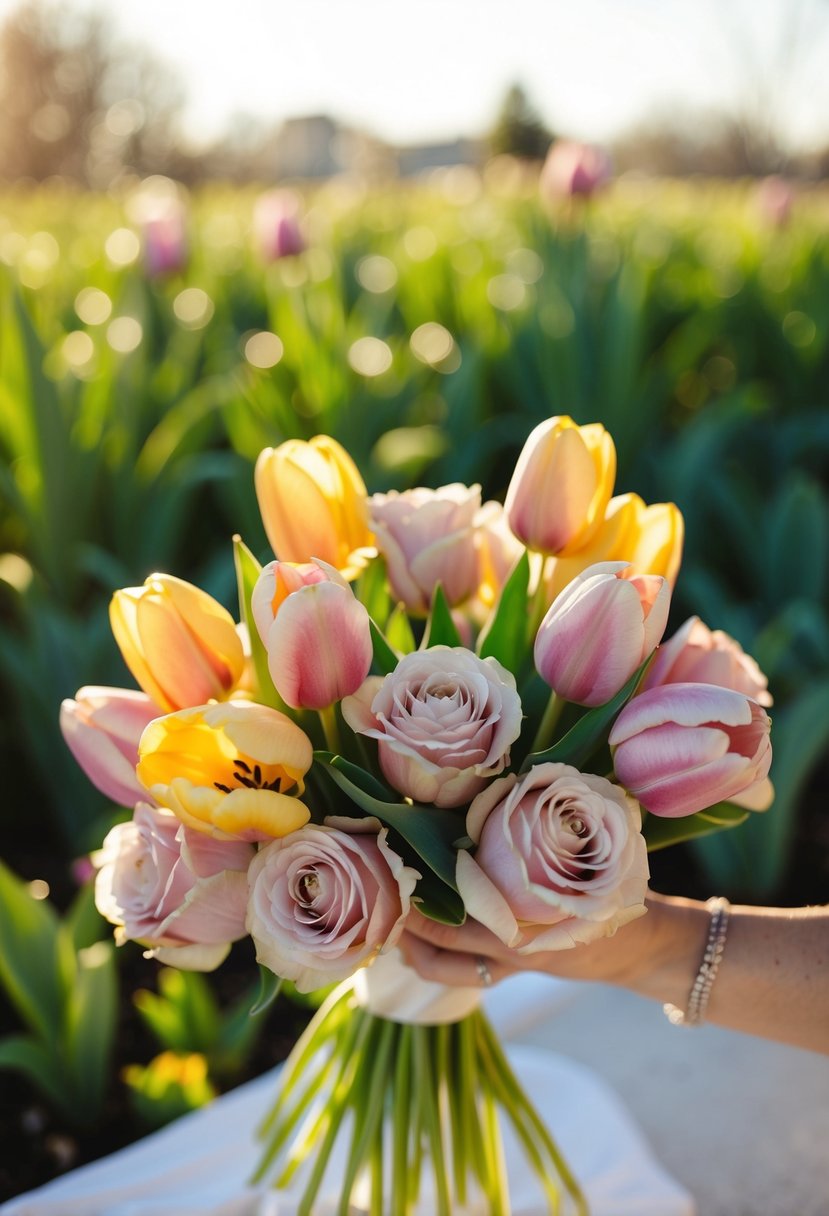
x,y
180,644
102,727
684,747
573,169
316,633
599,630
313,503
276,225
561,486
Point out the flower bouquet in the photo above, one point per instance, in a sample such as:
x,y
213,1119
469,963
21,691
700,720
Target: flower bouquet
x,y
430,707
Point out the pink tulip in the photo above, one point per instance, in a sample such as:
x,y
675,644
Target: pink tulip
x,y
775,199
316,633
164,237
599,630
684,747
102,727
696,655
573,169
276,225
426,537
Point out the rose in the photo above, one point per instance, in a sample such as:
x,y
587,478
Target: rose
x,y
326,899
560,859
181,892
428,537
444,720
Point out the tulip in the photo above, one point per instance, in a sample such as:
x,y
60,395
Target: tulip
x,y
276,225
313,503
179,643
775,199
163,219
573,169
102,727
498,551
696,655
316,633
684,747
233,770
429,537
599,630
650,538
561,486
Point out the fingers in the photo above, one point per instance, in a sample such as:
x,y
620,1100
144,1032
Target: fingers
x,y
470,937
454,967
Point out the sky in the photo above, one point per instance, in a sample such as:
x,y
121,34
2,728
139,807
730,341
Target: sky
x,y
411,70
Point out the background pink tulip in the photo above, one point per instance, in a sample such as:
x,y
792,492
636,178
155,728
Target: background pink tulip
x,y
599,630
573,168
102,727
698,655
684,747
276,225
318,637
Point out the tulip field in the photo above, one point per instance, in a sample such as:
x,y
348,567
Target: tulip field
x,y
427,327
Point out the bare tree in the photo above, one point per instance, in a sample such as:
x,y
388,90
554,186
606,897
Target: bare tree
x,y
77,104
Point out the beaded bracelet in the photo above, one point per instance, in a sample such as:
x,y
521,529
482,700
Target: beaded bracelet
x,y
718,909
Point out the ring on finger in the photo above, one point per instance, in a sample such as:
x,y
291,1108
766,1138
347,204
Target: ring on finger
x,y
484,973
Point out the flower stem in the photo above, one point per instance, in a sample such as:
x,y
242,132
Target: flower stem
x,y
331,729
547,725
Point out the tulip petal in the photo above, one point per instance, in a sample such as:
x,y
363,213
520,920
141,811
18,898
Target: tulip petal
x,y
683,704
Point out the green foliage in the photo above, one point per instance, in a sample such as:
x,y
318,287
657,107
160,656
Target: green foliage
x,y
62,983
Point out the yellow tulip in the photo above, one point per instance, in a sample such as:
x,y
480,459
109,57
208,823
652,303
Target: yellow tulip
x,y
313,503
650,538
561,486
231,770
180,644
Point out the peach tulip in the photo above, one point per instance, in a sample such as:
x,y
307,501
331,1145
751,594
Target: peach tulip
x,y
313,503
683,747
559,491
102,727
317,634
599,630
181,645
234,770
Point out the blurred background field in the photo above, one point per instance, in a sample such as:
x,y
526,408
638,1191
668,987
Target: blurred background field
x,y
426,304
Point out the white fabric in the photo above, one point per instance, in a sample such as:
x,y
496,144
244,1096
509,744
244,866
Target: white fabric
x,y
199,1165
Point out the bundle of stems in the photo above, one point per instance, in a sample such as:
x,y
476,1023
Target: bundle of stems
x,y
413,1101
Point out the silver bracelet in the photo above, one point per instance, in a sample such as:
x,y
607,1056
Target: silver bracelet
x,y
718,909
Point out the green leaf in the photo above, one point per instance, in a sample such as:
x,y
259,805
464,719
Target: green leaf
x,y
269,986
34,1059
29,963
591,730
440,628
247,572
428,830
91,1016
384,657
83,921
371,589
504,637
660,832
362,779
399,631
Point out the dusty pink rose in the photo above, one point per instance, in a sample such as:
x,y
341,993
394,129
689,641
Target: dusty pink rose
x,y
560,859
426,537
599,629
696,655
444,721
316,632
181,892
102,727
326,900
681,748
